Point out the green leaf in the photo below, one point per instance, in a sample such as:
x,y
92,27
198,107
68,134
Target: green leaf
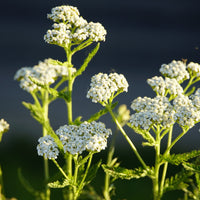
x,y
123,173
177,159
102,112
192,167
36,112
86,61
59,184
177,182
145,134
37,194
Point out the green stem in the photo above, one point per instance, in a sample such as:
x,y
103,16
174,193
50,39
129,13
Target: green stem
x,y
175,141
69,109
126,137
45,101
189,84
61,170
109,161
156,193
83,179
166,163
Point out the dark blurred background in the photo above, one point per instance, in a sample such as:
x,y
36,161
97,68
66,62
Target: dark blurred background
x,y
141,35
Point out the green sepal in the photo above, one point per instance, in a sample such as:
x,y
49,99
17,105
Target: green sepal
x,y
59,184
123,173
39,195
177,159
78,121
178,181
86,61
102,112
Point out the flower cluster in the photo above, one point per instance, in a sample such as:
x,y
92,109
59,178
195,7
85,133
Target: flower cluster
x,y
187,110
104,87
194,69
71,27
175,69
163,86
87,136
151,111
44,73
47,147
4,126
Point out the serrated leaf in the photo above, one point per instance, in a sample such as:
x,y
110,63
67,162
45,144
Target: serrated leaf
x,y
59,184
35,111
177,159
86,61
177,182
145,134
102,112
123,173
192,167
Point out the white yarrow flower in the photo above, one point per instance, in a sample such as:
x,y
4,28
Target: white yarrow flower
x,y
87,136
186,113
47,147
104,86
194,69
4,126
175,69
71,27
44,73
151,111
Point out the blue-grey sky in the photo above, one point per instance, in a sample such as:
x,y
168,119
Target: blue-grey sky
x,y
141,35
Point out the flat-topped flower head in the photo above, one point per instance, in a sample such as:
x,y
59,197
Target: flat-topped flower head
x,y
195,98
47,147
70,27
163,86
67,14
44,73
175,69
151,111
194,69
87,136
4,126
187,114
104,87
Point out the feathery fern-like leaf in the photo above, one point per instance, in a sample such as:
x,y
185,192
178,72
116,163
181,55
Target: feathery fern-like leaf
x,y
123,173
177,182
177,159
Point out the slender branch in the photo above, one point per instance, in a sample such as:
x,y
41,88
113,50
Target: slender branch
x,y
126,136
175,141
84,177
166,163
